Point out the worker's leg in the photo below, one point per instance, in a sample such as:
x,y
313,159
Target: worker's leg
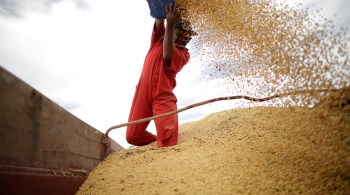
x,y
167,127
137,134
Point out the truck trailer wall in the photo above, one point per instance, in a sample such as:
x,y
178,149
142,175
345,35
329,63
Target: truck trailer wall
x,y
43,148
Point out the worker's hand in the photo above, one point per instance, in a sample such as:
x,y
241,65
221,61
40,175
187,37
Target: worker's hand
x,y
172,16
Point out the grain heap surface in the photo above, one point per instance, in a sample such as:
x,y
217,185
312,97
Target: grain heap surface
x,y
261,150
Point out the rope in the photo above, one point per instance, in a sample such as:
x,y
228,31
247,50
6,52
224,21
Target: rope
x,y
219,99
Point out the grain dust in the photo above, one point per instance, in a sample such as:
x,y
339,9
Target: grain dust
x,y
261,48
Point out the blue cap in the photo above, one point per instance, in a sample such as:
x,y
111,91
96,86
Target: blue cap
x,y
158,8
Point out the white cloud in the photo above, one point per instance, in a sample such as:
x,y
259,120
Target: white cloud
x,y
88,61
18,8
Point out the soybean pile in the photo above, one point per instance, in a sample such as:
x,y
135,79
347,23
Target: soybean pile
x,y
262,48
260,150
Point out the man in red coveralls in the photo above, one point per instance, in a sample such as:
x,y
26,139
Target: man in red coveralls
x,y
154,92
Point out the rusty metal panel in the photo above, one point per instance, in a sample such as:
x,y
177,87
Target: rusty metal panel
x,y
27,180
36,133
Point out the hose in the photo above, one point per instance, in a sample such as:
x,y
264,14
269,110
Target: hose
x,y
219,99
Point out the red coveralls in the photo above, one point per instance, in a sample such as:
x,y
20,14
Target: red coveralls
x,y
154,95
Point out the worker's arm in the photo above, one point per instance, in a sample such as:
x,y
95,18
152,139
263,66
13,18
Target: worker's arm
x,y
172,17
157,24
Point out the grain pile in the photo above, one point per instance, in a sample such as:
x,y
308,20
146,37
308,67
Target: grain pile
x,y
267,47
261,150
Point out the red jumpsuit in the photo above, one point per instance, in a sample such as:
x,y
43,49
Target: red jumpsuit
x,y
154,95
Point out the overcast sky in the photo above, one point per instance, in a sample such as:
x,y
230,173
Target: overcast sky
x,y
87,56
